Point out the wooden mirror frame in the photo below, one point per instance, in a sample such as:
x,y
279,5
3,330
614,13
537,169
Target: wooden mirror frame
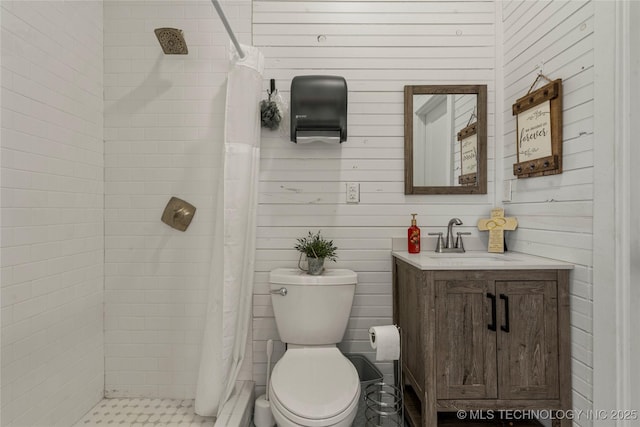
x,y
481,113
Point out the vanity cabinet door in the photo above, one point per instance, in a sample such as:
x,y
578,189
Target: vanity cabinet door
x,y
527,314
410,317
465,340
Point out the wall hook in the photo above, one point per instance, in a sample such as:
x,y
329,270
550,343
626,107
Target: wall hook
x,y
538,77
473,116
272,86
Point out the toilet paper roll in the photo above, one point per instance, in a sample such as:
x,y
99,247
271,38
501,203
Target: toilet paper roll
x,y
385,340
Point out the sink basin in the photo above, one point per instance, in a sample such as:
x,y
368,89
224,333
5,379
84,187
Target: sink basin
x,y
478,260
475,256
463,259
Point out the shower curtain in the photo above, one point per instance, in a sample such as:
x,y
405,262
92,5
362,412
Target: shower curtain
x,y
232,264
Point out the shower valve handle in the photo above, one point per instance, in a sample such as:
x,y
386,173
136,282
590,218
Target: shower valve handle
x,y
281,291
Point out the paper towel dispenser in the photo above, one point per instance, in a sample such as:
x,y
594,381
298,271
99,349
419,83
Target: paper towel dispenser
x,y
318,109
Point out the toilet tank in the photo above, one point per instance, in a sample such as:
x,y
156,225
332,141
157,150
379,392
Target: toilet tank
x,y
315,309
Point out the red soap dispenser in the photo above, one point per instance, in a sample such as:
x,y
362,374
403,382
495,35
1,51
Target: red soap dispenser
x,y
413,237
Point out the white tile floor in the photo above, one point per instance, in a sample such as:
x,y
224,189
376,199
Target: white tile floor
x,y
158,413
144,413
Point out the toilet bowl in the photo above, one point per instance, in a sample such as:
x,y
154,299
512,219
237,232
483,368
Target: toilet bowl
x,y
313,384
314,387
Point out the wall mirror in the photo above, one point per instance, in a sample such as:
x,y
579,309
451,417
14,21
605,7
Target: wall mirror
x,y
445,139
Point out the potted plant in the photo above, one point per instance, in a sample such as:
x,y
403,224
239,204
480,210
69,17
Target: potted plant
x,y
317,249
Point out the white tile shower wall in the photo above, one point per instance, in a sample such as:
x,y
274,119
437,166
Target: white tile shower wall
x,y
52,211
164,118
555,212
378,46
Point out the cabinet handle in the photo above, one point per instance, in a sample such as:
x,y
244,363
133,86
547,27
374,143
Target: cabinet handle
x,y
492,325
505,327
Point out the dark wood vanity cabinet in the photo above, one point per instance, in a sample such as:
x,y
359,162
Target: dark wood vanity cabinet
x,y
482,340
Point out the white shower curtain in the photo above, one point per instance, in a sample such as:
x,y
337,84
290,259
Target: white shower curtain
x,y
231,276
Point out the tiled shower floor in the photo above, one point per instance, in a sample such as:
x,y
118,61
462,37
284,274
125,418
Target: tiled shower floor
x,y
157,413
144,413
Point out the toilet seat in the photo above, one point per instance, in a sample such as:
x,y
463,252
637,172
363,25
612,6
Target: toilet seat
x,y
315,386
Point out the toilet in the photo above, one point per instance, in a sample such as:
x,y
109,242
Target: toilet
x,y
313,384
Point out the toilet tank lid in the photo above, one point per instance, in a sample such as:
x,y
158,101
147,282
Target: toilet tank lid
x,y
295,276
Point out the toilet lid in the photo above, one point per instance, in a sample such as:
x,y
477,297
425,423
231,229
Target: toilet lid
x,y
315,383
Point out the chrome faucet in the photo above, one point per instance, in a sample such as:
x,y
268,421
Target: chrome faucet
x,y
450,246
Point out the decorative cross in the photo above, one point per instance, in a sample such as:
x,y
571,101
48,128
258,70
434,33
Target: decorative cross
x,y
496,226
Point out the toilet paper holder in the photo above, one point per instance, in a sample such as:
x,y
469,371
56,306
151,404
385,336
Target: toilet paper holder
x,y
384,403
373,336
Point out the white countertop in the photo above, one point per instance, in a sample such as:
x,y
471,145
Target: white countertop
x,y
479,260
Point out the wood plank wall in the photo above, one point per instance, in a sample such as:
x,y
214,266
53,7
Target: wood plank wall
x,y
555,212
378,46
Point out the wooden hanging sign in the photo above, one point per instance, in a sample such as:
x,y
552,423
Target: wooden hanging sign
x,y
496,225
468,138
539,131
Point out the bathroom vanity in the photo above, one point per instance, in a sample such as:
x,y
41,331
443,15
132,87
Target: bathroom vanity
x,y
482,331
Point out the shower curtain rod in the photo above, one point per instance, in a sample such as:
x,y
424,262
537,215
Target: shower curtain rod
x,y
232,36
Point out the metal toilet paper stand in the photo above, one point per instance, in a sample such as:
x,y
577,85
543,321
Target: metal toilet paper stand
x,y
384,402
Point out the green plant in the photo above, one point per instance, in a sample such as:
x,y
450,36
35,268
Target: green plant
x,y
315,246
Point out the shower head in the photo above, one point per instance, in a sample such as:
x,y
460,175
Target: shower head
x,y
172,41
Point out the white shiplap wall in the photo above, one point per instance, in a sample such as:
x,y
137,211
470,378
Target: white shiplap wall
x,y
52,212
378,46
555,212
